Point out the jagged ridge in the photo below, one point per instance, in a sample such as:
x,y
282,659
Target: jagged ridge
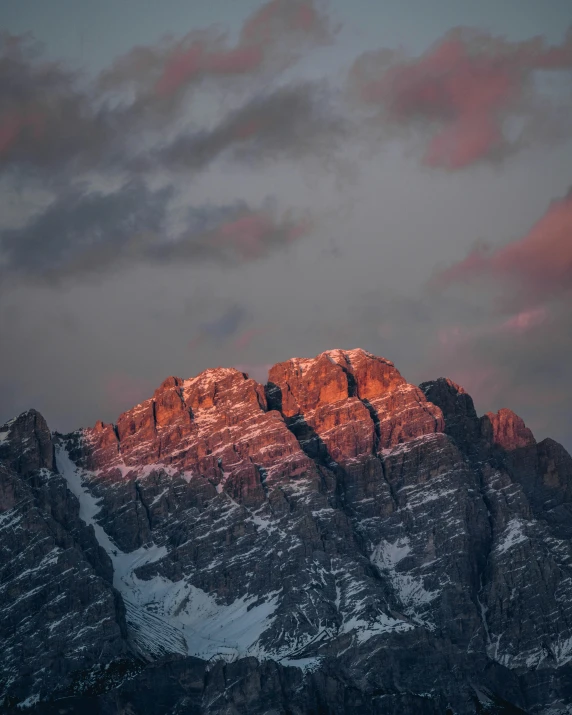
x,y
332,517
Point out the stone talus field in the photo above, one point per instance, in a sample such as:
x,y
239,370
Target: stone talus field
x,y
336,541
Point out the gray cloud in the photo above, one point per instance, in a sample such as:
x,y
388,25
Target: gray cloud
x,y
54,119
290,122
84,231
44,117
58,129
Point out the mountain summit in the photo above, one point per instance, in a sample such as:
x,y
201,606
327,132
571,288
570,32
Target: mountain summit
x,y
336,541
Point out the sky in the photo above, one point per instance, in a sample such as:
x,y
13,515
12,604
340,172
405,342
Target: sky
x,y
186,185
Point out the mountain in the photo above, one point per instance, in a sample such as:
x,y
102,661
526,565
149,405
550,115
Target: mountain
x,y
337,541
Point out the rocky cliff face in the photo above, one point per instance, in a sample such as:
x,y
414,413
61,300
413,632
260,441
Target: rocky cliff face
x,y
60,619
337,541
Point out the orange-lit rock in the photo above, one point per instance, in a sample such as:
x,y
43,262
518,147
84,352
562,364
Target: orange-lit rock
x,y
509,430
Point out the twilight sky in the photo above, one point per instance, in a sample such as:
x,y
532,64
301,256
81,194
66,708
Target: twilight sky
x,y
185,185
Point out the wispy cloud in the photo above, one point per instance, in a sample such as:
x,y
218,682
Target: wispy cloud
x,y
534,268
66,133
289,122
513,352
85,231
271,38
461,93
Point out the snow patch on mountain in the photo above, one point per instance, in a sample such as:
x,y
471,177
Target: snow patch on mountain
x,y
367,629
409,589
166,616
512,535
387,555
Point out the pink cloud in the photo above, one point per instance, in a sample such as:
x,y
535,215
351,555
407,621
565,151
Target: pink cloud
x,y
475,264
237,61
14,124
451,338
180,68
278,18
464,87
247,233
524,321
464,142
275,23
245,338
252,234
186,65
540,263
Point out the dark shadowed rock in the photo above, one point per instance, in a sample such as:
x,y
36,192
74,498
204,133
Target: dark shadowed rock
x,y
26,443
60,615
461,421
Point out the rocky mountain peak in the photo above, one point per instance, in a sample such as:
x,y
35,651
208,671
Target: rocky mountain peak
x,y
338,540
26,443
508,430
461,421
222,386
331,376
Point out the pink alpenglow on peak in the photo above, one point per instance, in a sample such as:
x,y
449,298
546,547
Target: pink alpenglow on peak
x,y
509,430
356,403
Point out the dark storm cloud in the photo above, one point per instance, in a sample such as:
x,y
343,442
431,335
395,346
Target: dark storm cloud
x,y
85,231
462,91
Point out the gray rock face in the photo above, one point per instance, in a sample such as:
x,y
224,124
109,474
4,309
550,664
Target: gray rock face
x,y
26,444
336,542
60,615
